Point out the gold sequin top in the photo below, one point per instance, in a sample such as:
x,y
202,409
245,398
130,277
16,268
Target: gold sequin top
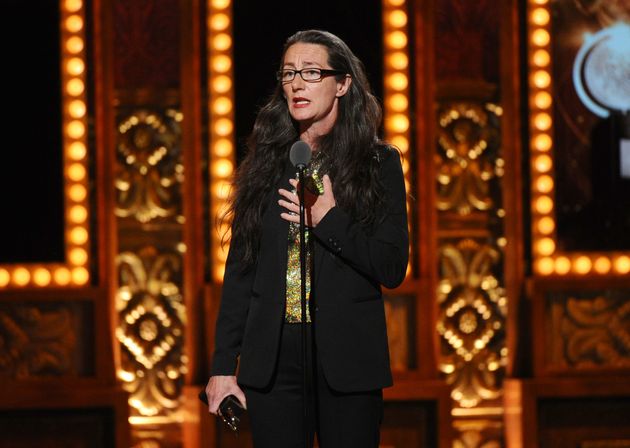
x,y
293,313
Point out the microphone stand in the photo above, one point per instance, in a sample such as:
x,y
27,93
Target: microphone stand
x,y
303,267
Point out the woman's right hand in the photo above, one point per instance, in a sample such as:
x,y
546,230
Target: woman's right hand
x,y
219,387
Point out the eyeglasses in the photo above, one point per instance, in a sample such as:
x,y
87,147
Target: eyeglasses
x,y
307,74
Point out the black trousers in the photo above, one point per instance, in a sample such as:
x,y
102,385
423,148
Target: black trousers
x,y
340,420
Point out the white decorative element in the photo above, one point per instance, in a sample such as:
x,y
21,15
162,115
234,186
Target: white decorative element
x,y
601,71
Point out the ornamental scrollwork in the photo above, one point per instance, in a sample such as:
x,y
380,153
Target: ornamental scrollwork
x,y
149,166
37,341
591,332
471,321
151,329
467,157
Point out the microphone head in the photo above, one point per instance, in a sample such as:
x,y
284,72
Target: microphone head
x,y
300,154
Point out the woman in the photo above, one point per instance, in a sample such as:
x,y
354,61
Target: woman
x,y
357,241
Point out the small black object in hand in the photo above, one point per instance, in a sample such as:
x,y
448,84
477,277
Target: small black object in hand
x,y
230,410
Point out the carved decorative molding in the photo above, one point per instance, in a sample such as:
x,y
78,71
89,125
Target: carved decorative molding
x,y
468,140
151,329
149,170
471,321
37,340
589,331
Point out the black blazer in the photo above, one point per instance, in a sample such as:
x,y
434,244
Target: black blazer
x,y
349,267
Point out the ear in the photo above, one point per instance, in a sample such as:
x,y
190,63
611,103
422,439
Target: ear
x,y
343,86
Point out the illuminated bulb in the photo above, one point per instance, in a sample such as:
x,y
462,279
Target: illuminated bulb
x,y
563,265
78,235
546,225
223,147
220,4
74,23
540,16
542,121
73,5
219,270
61,276
5,277
219,22
222,42
222,105
74,45
75,129
543,163
41,277
78,256
542,79
398,102
397,40
542,100
544,205
396,3
76,172
75,87
541,58
544,184
77,193
540,37
77,109
545,246
21,276
582,265
401,142
223,127
80,276
602,265
221,190
78,214
398,81
77,151
622,264
397,18
75,66
542,142
544,266
221,63
398,123
222,84
398,60
222,168
540,2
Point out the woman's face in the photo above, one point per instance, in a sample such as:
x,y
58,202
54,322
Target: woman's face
x,y
312,104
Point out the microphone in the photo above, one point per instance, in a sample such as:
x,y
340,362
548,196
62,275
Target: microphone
x,y
300,154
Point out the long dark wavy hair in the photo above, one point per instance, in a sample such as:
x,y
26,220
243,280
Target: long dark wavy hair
x,y
351,150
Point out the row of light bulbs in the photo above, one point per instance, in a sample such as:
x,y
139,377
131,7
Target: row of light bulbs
x,y
396,87
73,66
221,107
547,259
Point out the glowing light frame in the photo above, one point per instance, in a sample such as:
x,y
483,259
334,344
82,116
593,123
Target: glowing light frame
x,y
548,261
221,129
73,68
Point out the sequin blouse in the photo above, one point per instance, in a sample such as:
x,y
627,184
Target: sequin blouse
x,y
293,312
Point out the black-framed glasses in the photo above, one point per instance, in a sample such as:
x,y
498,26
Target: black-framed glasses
x,y
310,74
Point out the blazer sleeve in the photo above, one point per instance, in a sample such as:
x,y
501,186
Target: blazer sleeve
x,y
383,253
235,300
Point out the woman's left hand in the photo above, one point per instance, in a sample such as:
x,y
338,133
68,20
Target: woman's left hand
x,y
315,207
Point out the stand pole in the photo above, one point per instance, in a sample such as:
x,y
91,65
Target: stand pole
x,y
303,306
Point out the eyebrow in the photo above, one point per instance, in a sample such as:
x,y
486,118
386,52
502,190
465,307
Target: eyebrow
x,y
305,64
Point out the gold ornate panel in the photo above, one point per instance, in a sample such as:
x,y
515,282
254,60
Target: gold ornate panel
x,y
75,271
587,330
549,259
472,304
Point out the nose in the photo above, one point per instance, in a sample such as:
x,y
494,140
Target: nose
x,y
297,82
